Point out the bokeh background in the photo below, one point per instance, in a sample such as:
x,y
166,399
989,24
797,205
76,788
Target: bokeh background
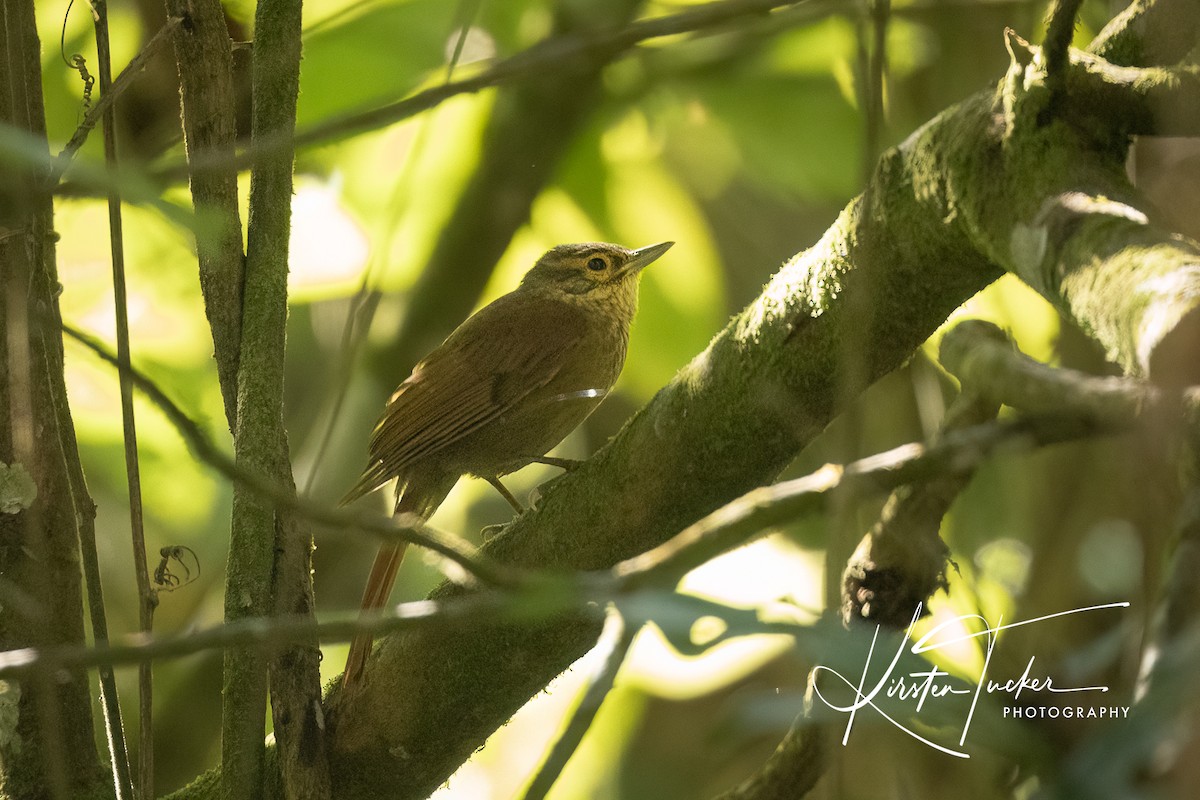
x,y
741,144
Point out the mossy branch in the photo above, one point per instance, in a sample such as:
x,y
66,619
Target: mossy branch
x,y
942,217
1149,33
204,57
986,187
269,569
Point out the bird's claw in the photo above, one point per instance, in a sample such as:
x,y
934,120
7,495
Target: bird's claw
x,y
489,532
543,489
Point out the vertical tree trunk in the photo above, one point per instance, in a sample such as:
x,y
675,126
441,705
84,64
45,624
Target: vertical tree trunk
x,y
47,748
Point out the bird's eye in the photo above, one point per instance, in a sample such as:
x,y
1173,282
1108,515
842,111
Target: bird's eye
x,y
596,264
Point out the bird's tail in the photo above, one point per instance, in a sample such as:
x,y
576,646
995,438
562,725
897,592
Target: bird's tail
x,y
417,499
375,595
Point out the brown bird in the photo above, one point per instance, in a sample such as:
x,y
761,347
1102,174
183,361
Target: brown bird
x,y
503,389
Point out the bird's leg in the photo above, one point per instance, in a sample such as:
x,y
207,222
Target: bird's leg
x,y
505,493
566,464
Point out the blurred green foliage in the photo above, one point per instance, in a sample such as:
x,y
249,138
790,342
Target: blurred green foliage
x,y
742,146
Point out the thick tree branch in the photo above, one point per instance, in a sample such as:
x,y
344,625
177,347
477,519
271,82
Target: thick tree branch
x,y
1149,33
1083,237
941,217
728,422
936,223
1152,101
983,357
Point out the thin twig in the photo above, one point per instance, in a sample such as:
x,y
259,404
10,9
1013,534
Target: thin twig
x,y
410,530
615,640
146,597
547,600
107,98
552,54
734,524
751,514
874,66
1060,29
269,632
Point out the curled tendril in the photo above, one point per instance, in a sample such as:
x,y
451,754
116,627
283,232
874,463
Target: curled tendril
x,y
185,558
76,62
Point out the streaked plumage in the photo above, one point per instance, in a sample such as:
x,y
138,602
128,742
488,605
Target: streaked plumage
x,y
504,388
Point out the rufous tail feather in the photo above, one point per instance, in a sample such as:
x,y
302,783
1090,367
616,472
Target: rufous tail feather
x,y
379,586
375,596
419,498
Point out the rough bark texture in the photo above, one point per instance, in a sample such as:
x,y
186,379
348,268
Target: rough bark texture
x,y
47,747
1000,181
1149,33
204,57
1085,239
936,224
270,568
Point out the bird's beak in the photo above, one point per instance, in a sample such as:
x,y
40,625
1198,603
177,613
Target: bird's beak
x,y
644,256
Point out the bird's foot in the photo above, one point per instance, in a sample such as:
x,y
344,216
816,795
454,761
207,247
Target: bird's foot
x,y
489,532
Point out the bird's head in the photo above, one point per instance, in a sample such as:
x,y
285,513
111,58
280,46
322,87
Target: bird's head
x,y
591,270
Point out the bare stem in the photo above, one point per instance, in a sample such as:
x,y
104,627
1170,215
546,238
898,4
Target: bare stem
x,y
146,596
107,98
550,55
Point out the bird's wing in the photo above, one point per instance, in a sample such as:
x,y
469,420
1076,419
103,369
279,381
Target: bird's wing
x,y
491,362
